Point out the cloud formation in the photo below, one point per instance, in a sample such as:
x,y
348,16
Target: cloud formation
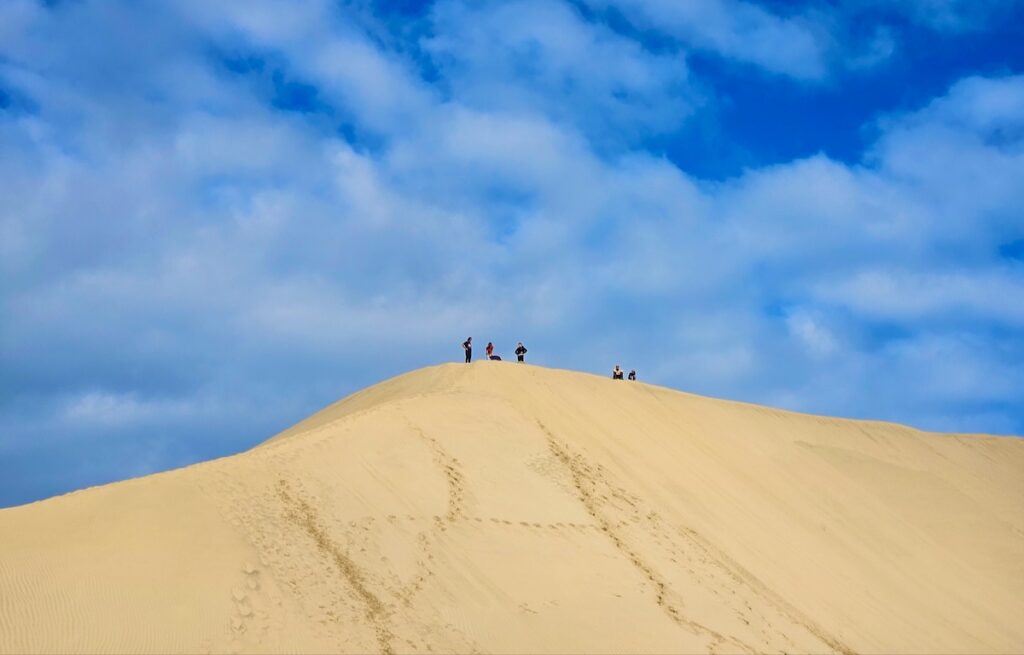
x,y
217,219
793,45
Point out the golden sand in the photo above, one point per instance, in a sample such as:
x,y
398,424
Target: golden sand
x,y
499,507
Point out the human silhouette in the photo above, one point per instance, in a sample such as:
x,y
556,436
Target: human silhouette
x,y
520,351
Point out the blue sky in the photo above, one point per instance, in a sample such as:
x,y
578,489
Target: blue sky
x,y
216,218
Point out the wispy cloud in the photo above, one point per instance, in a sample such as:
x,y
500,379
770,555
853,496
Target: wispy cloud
x,y
544,57
793,45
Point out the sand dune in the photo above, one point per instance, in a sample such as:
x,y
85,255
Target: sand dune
x,y
506,508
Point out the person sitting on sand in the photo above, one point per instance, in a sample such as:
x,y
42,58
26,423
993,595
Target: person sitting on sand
x,y
467,345
520,351
617,373
489,349
632,375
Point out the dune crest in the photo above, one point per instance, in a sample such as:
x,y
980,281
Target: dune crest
x,y
497,507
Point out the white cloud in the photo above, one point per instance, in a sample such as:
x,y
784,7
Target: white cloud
x,y
956,368
817,338
382,92
262,21
808,42
106,409
531,56
984,295
979,104
795,46
963,157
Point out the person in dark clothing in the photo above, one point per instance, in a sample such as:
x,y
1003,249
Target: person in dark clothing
x,y
489,349
467,345
617,373
520,351
632,375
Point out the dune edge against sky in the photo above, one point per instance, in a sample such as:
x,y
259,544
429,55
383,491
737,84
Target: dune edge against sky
x,y
506,508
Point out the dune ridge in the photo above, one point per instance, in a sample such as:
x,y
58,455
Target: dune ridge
x,y
498,507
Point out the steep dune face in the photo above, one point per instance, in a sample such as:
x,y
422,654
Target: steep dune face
x,y
499,507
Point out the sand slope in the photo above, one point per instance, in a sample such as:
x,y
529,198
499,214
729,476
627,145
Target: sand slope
x,y
498,507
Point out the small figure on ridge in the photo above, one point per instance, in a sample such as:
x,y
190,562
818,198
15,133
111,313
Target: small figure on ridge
x,y
617,373
467,345
520,351
632,375
489,349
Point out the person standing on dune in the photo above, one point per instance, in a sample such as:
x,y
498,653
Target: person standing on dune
x,y
467,345
489,349
520,351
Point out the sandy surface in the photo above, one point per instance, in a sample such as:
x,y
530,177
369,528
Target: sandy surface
x,y
499,507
